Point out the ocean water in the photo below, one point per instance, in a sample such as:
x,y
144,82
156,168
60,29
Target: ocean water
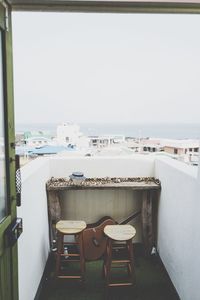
x,y
139,130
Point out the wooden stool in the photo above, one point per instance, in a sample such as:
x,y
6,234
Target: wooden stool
x,y
74,228
119,238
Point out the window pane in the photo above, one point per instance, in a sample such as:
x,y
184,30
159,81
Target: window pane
x,y
2,143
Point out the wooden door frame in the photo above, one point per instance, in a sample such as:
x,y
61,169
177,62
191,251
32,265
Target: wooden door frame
x,y
61,6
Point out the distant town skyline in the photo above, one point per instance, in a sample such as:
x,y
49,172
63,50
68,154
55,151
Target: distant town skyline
x,y
106,68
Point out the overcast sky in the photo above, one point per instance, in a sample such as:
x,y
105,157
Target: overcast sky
x,y
106,67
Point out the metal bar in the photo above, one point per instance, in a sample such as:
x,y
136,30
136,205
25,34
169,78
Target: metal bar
x,y
166,7
70,260
71,255
120,284
120,261
69,277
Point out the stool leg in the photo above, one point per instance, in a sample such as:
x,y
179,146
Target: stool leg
x,y
82,257
108,262
59,252
105,256
104,264
131,257
128,264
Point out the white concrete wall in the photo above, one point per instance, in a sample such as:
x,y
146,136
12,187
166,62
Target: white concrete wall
x,y
178,215
179,224
139,165
33,244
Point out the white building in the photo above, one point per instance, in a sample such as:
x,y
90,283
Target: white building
x,y
151,145
38,141
106,140
185,150
69,133
180,147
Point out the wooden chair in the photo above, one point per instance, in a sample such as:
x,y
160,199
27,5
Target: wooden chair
x,y
119,239
66,228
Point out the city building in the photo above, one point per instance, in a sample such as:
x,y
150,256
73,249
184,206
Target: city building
x,y
183,150
181,147
106,140
151,145
69,133
37,142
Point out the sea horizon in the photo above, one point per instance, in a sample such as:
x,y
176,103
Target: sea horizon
x,y
135,130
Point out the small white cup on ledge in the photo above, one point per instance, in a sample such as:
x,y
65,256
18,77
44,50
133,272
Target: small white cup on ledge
x,y
77,177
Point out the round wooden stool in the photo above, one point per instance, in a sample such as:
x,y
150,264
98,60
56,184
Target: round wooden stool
x,y
74,228
119,240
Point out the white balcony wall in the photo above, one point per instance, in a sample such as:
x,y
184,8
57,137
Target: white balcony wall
x,y
178,215
178,225
138,165
33,244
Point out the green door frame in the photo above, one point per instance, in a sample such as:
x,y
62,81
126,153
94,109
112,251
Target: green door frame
x,y
8,255
109,6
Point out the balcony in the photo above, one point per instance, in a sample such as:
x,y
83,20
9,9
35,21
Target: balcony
x,y
178,244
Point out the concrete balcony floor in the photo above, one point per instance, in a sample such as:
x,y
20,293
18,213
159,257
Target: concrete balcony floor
x,y
152,283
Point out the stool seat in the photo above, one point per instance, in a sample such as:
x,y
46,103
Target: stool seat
x,y
120,232
70,226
